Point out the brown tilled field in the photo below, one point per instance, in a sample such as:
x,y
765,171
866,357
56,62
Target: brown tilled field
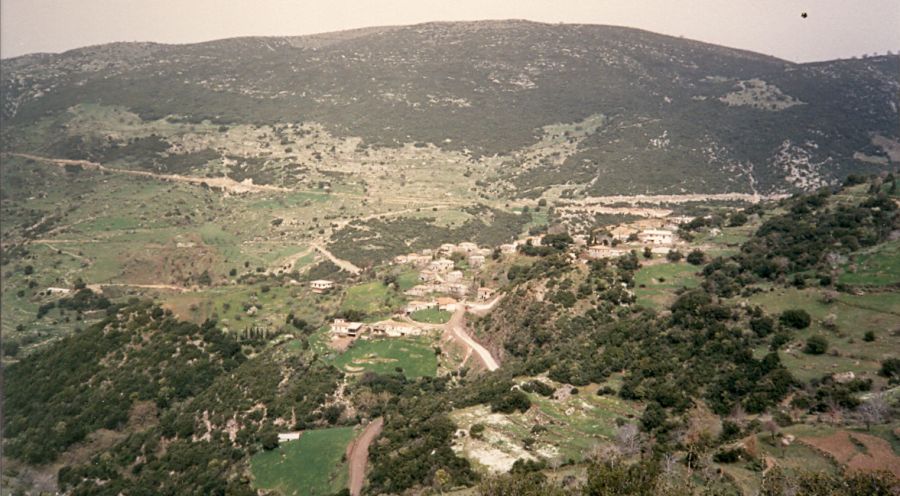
x,y
857,451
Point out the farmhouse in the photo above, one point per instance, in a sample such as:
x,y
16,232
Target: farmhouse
x,y
401,259
416,305
476,260
395,329
288,436
447,248
418,260
342,327
655,237
321,285
467,247
508,248
447,304
441,265
456,288
454,276
58,291
485,293
428,275
679,219
604,251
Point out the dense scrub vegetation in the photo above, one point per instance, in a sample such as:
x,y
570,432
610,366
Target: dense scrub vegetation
x,y
374,241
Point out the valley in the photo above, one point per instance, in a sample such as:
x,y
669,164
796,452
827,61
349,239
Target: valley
x,y
487,258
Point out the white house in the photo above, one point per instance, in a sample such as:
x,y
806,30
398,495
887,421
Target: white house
x,y
288,436
342,327
396,329
485,293
655,237
416,305
447,304
454,276
427,275
467,247
58,291
508,248
441,265
476,260
604,251
321,285
447,248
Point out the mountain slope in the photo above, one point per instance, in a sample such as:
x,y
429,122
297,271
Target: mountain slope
x,y
668,114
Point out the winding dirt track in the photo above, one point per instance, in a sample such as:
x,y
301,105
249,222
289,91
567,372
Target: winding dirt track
x,y
224,183
358,455
457,327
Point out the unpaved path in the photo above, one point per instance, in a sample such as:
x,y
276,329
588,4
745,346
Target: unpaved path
x,y
224,183
98,288
457,328
340,262
685,198
358,455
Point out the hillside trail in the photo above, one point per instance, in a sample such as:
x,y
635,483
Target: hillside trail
x,y
358,455
224,183
340,262
98,288
457,328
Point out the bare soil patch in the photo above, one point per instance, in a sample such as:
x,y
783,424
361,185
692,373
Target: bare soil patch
x,y
857,451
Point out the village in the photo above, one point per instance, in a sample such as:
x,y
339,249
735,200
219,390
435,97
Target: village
x,y
448,275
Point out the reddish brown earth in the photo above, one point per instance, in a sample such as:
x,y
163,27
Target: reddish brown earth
x,y
877,454
358,455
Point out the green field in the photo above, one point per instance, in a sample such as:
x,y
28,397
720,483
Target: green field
x,y
374,298
855,315
656,284
572,426
414,355
879,266
431,316
310,466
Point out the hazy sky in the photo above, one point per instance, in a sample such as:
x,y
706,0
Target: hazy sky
x,y
833,28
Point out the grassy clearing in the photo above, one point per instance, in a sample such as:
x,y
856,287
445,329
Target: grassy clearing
x,y
431,316
855,315
415,356
656,284
374,298
309,466
569,428
876,267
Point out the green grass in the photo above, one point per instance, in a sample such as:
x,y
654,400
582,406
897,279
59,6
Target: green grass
x,y
414,355
431,316
876,267
855,315
407,280
374,298
661,281
310,466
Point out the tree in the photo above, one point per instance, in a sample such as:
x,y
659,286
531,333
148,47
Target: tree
x,y
269,439
796,318
890,368
875,410
628,440
816,345
648,253
674,256
696,257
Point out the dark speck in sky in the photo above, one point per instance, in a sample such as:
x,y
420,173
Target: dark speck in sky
x,y
803,15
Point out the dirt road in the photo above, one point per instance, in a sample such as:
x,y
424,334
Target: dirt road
x,y
358,455
457,327
340,262
98,288
224,183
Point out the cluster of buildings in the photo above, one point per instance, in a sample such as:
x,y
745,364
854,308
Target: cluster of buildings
x,y
386,328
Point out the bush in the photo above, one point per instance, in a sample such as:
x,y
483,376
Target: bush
x,y
511,401
816,345
696,257
796,318
674,256
869,336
